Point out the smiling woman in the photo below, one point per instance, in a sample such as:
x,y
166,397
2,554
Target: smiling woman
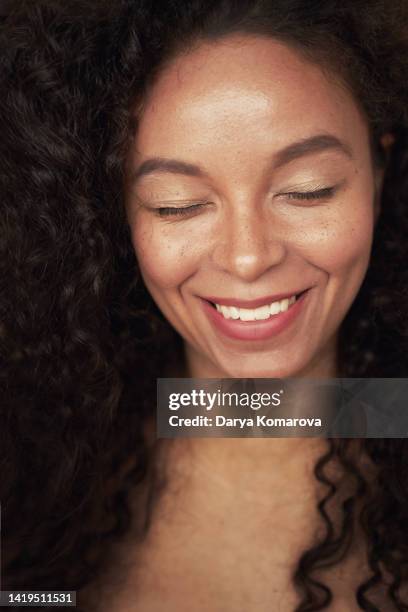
x,y
256,208
211,189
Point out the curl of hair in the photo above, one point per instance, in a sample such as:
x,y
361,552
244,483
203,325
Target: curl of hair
x,y
81,341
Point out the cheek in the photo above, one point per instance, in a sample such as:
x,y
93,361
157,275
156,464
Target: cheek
x,y
341,243
167,256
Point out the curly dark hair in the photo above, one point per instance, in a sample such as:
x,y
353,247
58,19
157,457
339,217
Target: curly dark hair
x,y
81,340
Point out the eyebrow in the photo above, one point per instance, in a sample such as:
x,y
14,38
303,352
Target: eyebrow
x,y
300,148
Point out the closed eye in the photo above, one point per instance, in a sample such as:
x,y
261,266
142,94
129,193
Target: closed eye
x,y
317,194
168,211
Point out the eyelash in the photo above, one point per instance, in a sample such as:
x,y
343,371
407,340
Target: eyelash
x,y
311,195
305,195
171,211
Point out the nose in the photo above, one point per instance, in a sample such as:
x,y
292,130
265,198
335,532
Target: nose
x,y
247,244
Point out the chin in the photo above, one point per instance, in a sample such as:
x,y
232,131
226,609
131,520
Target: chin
x,y
264,371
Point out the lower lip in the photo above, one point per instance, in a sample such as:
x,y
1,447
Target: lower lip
x,y
255,330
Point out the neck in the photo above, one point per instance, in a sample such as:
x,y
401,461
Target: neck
x,y
245,471
250,470
253,501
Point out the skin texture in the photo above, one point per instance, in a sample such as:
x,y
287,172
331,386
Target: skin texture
x,y
229,107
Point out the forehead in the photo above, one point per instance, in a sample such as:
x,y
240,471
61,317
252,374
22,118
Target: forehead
x,y
245,91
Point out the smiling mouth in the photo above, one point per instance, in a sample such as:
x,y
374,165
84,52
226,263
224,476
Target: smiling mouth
x,y
262,313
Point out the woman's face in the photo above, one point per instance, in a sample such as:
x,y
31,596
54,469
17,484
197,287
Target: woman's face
x,y
251,181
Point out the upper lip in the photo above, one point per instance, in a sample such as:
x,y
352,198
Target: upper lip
x,y
256,303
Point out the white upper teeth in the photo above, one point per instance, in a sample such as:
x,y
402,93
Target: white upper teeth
x,y
255,314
